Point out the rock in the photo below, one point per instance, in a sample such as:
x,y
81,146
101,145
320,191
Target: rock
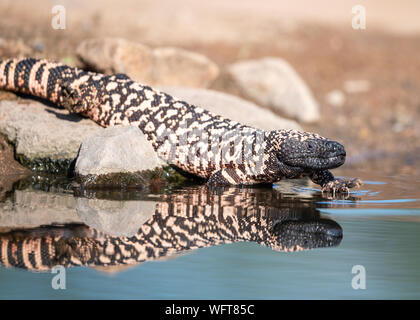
x,y
38,45
116,149
336,98
14,48
113,55
274,84
174,66
161,66
117,156
8,165
42,132
402,120
232,107
115,218
33,208
357,86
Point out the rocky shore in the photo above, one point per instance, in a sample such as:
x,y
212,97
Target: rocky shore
x,y
360,88
47,139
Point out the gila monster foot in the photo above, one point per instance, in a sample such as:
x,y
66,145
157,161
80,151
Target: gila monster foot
x,y
341,185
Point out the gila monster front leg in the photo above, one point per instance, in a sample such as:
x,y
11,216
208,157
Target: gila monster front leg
x,y
333,185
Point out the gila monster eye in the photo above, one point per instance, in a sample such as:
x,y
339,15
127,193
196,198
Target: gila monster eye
x,y
311,146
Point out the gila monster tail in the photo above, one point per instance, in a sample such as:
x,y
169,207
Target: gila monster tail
x,y
40,78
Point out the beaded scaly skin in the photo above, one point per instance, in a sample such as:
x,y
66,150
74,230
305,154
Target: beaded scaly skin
x,y
186,136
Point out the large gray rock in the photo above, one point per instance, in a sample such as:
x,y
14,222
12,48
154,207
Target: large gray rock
x,y
40,131
161,66
273,83
32,208
112,55
232,107
116,150
115,218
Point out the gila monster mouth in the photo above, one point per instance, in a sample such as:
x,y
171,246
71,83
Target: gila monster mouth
x,y
317,162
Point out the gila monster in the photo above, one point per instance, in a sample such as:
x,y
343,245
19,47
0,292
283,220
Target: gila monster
x,y
186,136
187,220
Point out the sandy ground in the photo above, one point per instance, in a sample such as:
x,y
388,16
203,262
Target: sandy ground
x,y
379,127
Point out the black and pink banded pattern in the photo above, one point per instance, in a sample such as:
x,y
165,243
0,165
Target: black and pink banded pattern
x,y
186,136
185,221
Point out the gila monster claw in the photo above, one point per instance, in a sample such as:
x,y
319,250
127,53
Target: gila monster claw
x,y
341,185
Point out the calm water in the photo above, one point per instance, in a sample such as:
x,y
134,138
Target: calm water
x,y
285,242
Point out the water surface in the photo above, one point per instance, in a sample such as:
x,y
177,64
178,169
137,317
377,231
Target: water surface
x,y
285,242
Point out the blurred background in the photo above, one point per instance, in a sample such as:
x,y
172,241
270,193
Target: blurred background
x,y
348,70
365,81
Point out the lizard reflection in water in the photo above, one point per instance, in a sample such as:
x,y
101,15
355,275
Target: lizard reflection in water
x,y
186,219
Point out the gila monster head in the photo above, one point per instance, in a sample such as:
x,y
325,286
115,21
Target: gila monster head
x,y
300,152
301,235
